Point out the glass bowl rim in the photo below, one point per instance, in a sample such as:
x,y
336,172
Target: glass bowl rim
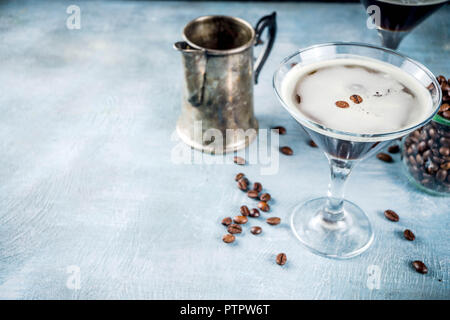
x,y
371,137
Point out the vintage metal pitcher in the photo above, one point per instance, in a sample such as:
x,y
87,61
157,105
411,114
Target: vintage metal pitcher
x,y
217,111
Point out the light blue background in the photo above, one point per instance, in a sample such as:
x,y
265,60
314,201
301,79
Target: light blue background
x,y
87,177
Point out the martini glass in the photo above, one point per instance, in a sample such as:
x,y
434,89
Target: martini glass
x,y
394,19
332,226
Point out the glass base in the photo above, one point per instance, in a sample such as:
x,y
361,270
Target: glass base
x,y
342,239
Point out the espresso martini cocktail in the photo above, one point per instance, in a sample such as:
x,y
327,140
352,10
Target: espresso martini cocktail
x,y
357,95
352,99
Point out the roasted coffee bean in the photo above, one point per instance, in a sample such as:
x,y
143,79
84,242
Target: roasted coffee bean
x,y
281,130
298,98
265,197
412,160
441,175
273,221
239,176
281,259
409,235
385,157
394,149
234,228
242,184
228,238
391,215
227,221
426,155
446,115
240,219
312,144
445,166
356,98
252,194
444,141
256,230
441,79
419,159
286,151
432,167
342,104
444,107
244,211
432,133
422,146
254,213
262,205
239,160
445,151
257,186
420,267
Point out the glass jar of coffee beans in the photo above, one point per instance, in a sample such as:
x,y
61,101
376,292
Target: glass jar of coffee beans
x,y
426,151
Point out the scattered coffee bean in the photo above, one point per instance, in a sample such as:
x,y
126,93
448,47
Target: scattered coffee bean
x,y
441,79
391,215
385,157
286,151
239,176
298,98
234,228
420,267
239,160
293,64
356,98
281,259
252,194
257,186
265,197
240,219
409,235
242,184
342,104
254,213
244,211
263,206
394,149
312,144
281,130
256,230
228,238
227,221
273,221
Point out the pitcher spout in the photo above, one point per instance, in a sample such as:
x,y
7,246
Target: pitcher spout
x,y
194,63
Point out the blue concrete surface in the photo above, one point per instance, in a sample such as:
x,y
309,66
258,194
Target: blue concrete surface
x,y
92,187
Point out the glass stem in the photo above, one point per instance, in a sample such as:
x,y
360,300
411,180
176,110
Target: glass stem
x,y
340,170
391,39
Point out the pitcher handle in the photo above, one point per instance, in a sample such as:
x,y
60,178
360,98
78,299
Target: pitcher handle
x,y
270,22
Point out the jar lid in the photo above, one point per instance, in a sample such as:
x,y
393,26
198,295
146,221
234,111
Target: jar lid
x,y
441,120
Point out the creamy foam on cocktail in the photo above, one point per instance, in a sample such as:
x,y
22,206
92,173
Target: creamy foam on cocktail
x,y
357,95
